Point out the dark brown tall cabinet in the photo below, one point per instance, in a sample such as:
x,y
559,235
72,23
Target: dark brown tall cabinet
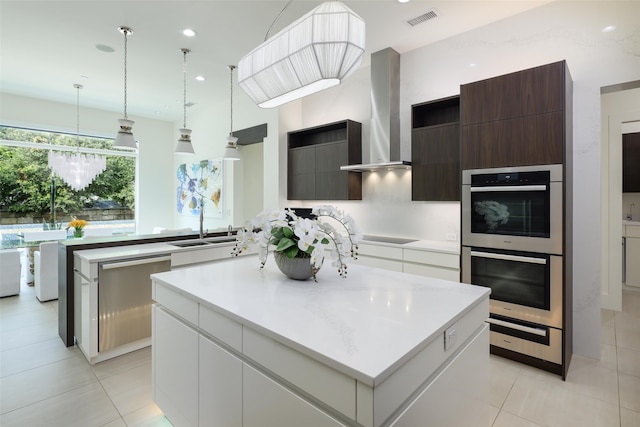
x,y
314,159
631,162
435,150
519,119
525,119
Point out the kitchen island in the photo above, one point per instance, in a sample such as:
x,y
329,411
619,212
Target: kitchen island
x,y
234,345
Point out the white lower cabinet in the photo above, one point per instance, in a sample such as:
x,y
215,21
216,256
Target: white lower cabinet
x,y
439,404
267,403
175,368
220,397
632,246
415,261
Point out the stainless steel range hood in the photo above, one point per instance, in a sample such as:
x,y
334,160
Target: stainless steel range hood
x,y
385,114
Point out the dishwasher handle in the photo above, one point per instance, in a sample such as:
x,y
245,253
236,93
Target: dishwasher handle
x,y
141,261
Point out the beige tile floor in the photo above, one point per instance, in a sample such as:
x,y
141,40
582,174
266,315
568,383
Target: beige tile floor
x,y
43,383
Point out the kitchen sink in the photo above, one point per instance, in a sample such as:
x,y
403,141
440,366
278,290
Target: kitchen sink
x,y
386,239
203,242
190,244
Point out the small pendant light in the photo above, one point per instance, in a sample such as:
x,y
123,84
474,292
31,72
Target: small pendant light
x,y
184,143
231,151
124,138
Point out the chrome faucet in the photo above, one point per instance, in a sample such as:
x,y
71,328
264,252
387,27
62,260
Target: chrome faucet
x,y
630,214
201,221
229,230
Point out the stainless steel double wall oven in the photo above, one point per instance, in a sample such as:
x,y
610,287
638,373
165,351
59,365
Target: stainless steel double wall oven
x,y
512,240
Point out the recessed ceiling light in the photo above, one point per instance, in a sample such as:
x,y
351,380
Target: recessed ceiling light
x,y
200,78
105,48
608,29
404,1
189,32
472,65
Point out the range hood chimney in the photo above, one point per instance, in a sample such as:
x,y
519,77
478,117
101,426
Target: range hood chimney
x,y
385,114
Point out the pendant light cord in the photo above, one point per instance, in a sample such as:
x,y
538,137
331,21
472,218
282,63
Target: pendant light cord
x,y
266,36
78,87
125,31
184,81
231,68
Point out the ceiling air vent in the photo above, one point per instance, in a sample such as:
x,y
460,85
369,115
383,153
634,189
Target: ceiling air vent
x,y
423,18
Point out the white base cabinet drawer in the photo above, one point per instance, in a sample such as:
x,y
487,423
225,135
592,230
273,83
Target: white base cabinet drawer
x,y
220,387
431,271
175,368
267,403
385,264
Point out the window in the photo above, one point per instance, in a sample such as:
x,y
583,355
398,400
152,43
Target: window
x,y
32,196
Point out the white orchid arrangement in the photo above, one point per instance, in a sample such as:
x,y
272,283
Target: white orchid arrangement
x,y
297,237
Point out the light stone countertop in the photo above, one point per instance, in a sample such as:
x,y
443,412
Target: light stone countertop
x,y
366,325
117,253
444,246
629,222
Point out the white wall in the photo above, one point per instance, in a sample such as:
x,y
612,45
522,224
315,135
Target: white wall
x,y
557,31
155,145
210,124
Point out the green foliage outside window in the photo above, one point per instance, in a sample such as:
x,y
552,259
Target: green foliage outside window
x,y
26,180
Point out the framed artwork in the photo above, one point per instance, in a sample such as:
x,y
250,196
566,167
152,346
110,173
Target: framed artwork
x,y
200,186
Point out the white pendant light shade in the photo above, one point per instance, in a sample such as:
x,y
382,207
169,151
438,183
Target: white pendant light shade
x,y
124,137
184,143
313,53
231,152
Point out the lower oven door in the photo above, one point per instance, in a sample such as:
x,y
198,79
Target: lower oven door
x,y
524,285
537,341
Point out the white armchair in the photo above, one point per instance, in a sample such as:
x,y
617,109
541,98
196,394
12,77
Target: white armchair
x,y
46,271
10,268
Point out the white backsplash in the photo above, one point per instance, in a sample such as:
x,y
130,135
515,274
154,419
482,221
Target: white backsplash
x,y
386,209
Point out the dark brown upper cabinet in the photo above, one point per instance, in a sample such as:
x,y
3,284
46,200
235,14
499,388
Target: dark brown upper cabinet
x,y
314,159
435,150
631,163
518,119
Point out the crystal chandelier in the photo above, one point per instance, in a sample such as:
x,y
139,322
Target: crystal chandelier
x,y
313,53
124,138
184,143
76,169
231,151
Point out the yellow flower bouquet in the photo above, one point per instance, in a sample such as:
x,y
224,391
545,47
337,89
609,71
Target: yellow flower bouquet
x,y
77,225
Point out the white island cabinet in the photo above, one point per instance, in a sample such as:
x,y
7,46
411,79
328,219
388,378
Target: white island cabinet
x,y
234,345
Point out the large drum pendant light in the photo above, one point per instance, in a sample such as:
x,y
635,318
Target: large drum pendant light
x,y
313,53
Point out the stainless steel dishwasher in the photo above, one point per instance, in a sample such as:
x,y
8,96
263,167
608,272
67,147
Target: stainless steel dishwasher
x,y
124,300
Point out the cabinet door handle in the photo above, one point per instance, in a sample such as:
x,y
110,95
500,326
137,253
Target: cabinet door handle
x,y
506,257
108,266
506,188
528,329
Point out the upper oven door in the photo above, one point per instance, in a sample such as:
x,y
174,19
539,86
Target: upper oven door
x,y
513,208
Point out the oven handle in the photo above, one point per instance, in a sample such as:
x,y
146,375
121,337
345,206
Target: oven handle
x,y
528,329
506,257
506,188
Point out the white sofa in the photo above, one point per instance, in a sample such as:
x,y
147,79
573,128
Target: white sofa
x,y
46,271
10,268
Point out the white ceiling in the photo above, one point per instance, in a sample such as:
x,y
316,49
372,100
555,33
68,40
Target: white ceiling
x,y
47,46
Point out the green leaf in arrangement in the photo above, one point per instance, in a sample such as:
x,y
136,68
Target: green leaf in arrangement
x,y
288,232
285,243
291,251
